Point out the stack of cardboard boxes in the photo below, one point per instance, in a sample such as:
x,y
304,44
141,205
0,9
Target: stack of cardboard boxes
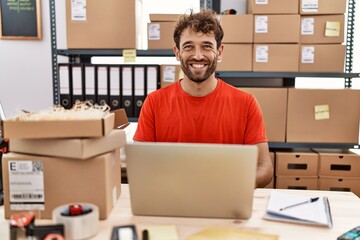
x,y
57,162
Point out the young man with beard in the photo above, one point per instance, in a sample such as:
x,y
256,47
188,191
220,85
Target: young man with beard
x,y
201,108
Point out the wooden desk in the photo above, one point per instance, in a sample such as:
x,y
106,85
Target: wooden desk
x,y
345,209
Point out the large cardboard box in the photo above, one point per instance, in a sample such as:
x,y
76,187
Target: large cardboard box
x,y
236,57
273,7
295,182
276,58
339,164
340,184
273,103
101,24
322,29
170,74
276,28
237,28
323,115
160,35
49,182
322,58
322,7
297,163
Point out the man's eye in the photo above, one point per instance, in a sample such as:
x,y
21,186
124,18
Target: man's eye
x,y
207,47
187,47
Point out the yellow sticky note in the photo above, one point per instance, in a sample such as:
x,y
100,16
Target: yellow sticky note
x,y
162,232
322,112
129,55
332,29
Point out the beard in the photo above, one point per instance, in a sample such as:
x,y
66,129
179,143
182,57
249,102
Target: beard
x,y
197,76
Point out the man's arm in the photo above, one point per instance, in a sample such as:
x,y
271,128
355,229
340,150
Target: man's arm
x,y
265,168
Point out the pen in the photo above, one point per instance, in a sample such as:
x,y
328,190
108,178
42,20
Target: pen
x,y
301,203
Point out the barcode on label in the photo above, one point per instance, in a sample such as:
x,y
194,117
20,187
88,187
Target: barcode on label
x,y
27,196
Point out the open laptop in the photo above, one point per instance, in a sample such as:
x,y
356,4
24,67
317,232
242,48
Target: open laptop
x,y
191,180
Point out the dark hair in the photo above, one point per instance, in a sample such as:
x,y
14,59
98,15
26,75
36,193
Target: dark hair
x,y
205,22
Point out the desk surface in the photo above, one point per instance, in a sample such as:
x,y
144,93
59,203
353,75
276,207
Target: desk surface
x,y
345,209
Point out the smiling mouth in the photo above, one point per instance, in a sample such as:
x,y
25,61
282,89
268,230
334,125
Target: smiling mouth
x,y
198,65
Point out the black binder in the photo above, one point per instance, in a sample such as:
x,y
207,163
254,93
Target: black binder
x,y
114,87
65,85
152,78
139,88
127,95
89,83
102,85
77,83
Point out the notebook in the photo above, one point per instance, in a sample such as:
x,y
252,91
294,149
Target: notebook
x,y
191,180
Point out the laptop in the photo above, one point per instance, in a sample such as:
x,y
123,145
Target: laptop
x,y
191,180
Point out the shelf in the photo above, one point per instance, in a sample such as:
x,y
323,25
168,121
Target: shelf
x,y
313,145
115,52
286,74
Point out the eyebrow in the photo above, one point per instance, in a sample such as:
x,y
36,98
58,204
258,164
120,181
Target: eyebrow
x,y
191,42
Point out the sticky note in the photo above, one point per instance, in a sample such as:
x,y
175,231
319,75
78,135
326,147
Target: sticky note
x,y
332,29
162,232
322,112
129,55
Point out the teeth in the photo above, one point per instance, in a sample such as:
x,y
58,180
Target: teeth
x,y
198,65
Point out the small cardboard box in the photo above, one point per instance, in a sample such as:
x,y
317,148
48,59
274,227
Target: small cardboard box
x,y
58,128
54,181
170,74
276,58
297,163
340,184
273,7
322,58
237,28
322,29
277,28
160,35
322,7
339,164
273,106
323,116
302,183
272,183
231,61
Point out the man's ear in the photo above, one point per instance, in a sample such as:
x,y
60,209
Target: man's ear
x,y
220,52
177,53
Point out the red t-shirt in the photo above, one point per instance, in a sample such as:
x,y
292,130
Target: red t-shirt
x,y
227,115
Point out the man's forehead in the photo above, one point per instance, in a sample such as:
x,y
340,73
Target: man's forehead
x,y
193,36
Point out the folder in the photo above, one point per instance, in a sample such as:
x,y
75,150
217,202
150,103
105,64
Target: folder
x,y
77,82
114,87
89,83
127,90
65,86
152,78
102,86
139,89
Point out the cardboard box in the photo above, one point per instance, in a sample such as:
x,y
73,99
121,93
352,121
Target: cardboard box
x,y
322,7
302,183
273,106
170,74
339,164
78,148
323,116
107,24
297,163
60,181
160,35
276,58
236,57
273,7
322,29
58,128
340,184
322,58
277,28
163,17
237,28
272,183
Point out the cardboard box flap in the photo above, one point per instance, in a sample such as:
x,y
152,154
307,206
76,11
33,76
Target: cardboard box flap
x,y
121,119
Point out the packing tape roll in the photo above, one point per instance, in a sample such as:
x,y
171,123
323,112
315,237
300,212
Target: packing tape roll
x,y
79,226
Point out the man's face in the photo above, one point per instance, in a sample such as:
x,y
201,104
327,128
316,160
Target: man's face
x,y
198,55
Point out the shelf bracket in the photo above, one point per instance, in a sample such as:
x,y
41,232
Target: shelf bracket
x,y
349,41
55,75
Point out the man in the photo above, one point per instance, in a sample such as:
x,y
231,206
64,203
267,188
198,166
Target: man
x,y
201,108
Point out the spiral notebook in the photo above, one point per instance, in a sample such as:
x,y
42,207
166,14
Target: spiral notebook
x,y
294,208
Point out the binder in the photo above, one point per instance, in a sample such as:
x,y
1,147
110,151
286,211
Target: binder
x,y
65,85
89,83
114,87
139,89
77,82
152,78
102,86
127,90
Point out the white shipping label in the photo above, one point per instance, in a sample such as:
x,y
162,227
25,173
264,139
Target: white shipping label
x,y
154,31
78,10
261,24
307,54
169,74
262,53
26,185
261,2
310,5
307,26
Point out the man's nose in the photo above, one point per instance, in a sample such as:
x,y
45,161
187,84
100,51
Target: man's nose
x,y
198,55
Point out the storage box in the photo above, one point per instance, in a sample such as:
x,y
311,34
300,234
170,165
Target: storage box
x,y
237,28
273,106
297,163
322,29
302,183
276,58
170,74
322,58
323,116
231,61
273,7
54,181
322,7
340,184
339,164
160,35
107,24
277,28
